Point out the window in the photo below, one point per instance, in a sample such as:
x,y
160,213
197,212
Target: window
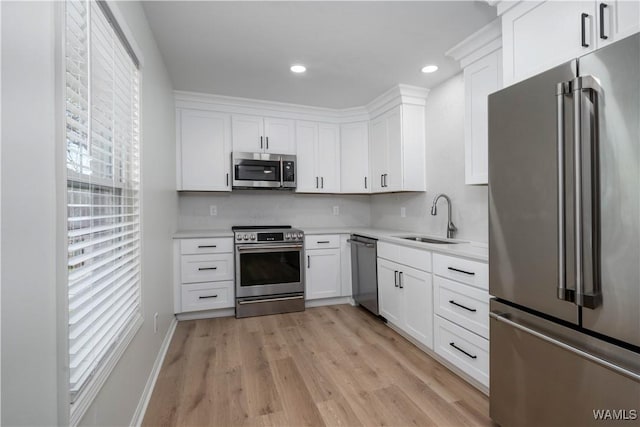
x,y
103,192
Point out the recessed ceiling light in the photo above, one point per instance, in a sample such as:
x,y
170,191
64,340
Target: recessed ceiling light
x,y
429,68
298,68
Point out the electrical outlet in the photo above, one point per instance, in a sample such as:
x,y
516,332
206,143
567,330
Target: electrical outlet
x,y
155,323
336,210
403,212
213,210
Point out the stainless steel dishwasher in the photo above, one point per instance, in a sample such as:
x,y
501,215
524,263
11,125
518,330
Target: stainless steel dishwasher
x,y
364,272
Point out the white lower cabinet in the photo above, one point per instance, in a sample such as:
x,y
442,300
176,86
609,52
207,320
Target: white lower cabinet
x,y
405,299
203,274
323,273
466,350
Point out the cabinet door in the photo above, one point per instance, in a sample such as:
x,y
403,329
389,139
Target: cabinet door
x,y
279,136
323,274
416,288
204,151
540,35
480,79
307,140
389,291
247,133
354,158
393,178
378,150
328,157
617,19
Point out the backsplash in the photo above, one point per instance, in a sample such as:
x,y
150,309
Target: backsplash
x,y
250,207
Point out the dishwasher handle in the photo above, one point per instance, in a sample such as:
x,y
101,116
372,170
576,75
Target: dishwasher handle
x,y
359,243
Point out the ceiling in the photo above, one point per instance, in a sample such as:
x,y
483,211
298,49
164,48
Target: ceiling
x,y
354,51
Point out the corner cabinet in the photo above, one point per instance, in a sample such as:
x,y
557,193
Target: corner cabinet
x,y
255,134
397,149
203,150
354,158
542,34
318,157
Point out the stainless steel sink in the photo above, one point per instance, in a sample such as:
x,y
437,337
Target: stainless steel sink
x,y
430,240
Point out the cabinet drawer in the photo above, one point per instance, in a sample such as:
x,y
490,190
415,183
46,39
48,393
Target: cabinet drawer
x,y
214,245
206,268
473,273
326,241
207,296
462,304
462,348
416,258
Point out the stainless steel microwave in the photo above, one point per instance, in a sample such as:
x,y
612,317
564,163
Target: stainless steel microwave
x,y
263,170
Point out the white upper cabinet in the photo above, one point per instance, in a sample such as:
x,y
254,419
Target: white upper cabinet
x,y
280,136
318,157
617,19
203,150
354,158
397,147
480,55
542,34
256,134
538,35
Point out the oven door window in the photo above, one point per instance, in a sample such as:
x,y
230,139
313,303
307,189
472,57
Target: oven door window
x,y
269,268
263,170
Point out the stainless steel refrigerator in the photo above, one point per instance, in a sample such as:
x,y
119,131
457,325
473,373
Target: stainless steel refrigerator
x,y
564,243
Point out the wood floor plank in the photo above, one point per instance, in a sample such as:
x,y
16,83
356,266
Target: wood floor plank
x,y
296,399
334,366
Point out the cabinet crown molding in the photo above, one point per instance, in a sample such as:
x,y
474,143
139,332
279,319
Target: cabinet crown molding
x,y
484,41
400,94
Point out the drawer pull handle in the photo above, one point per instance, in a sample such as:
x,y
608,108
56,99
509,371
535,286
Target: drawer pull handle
x,y
462,351
470,273
207,268
208,296
462,306
323,241
207,246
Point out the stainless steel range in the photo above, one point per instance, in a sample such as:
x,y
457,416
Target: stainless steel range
x,y
269,270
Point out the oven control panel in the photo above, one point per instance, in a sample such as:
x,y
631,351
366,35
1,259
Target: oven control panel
x,y
269,236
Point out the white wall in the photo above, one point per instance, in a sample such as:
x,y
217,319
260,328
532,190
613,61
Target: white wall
x,y
445,174
271,207
29,363
117,401
30,366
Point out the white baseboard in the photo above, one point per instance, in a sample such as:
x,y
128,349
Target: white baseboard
x,y
138,415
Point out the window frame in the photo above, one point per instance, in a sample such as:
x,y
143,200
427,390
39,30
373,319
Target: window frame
x,y
72,414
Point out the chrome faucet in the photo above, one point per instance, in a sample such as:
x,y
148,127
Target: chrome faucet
x,y
451,228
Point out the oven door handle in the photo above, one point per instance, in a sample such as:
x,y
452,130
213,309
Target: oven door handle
x,y
262,248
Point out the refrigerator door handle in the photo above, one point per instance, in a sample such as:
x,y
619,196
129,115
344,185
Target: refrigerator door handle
x,y
500,317
562,90
586,202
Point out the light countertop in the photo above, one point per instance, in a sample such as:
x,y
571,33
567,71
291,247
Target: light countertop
x,y
473,250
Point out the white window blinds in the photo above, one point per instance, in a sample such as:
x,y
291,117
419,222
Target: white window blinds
x,y
103,183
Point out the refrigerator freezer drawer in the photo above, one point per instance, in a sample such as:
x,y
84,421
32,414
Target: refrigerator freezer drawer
x,y
462,304
472,273
466,350
544,374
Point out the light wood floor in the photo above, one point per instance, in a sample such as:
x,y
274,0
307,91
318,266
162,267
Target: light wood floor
x,y
333,366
